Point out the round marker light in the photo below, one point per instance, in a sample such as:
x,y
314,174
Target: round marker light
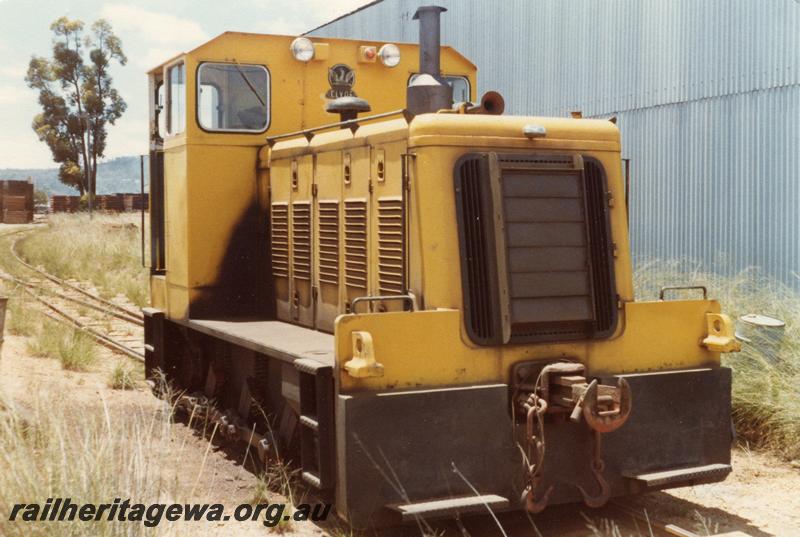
x,y
302,49
389,55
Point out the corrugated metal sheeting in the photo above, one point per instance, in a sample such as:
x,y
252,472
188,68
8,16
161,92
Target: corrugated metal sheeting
x,y
707,95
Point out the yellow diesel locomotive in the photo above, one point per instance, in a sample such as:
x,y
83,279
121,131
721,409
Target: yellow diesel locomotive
x,y
428,301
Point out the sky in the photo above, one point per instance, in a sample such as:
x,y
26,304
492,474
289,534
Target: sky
x,y
151,32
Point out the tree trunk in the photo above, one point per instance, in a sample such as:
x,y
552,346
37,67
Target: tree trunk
x,y
83,132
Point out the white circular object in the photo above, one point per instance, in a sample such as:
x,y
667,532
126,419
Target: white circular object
x,y
763,333
762,320
389,55
302,49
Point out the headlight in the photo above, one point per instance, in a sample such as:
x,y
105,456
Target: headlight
x,y
389,55
302,49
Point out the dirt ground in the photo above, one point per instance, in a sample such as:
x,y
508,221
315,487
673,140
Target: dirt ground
x,y
761,498
207,475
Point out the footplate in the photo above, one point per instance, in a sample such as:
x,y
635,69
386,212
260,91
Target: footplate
x,y
709,473
450,506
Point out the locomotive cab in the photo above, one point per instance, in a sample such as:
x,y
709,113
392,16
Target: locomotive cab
x,y
421,301
211,110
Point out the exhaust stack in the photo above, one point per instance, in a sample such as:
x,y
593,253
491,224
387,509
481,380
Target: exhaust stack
x,y
429,92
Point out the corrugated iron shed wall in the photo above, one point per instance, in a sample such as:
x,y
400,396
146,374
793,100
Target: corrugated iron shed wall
x,y
707,95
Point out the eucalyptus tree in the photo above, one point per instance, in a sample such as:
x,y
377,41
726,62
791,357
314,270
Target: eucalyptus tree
x,y
77,98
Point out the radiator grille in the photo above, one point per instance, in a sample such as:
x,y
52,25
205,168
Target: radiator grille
x,y
475,262
549,269
554,277
329,242
599,247
279,237
301,240
355,243
390,246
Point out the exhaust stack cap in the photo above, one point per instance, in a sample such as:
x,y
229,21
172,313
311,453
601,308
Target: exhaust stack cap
x,y
347,107
429,92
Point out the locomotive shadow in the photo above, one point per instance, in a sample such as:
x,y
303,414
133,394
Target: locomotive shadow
x,y
668,506
574,520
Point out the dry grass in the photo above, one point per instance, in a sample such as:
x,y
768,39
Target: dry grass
x,y
105,250
47,338
766,374
21,318
75,350
58,449
123,377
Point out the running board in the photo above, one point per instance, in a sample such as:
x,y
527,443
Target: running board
x,y
448,506
697,474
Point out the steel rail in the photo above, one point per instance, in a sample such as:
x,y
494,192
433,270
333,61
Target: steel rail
x,y
63,283
64,317
123,316
103,339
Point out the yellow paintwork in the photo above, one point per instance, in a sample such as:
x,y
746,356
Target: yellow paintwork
x,y
158,291
431,348
431,351
212,178
322,162
363,363
721,334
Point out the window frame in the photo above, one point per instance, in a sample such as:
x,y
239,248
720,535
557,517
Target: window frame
x,y
465,78
160,110
232,131
219,112
168,97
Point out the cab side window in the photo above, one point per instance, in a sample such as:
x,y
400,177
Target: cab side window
x,y
460,85
233,97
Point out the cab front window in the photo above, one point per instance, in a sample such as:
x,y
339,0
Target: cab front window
x,y
233,97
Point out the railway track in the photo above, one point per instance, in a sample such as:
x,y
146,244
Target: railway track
x,y
116,326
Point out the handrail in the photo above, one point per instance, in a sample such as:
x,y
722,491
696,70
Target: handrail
x,y
684,288
409,298
353,124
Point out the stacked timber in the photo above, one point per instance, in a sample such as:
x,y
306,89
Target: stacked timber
x,y
112,203
16,202
64,204
135,202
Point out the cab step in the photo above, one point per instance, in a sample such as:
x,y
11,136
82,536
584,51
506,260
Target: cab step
x,y
317,450
696,474
448,506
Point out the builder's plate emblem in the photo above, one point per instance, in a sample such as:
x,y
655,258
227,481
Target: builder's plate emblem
x,y
341,78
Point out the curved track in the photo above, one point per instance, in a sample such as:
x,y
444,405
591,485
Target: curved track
x,y
115,326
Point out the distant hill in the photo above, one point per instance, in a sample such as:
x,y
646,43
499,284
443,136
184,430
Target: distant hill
x,y
114,175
